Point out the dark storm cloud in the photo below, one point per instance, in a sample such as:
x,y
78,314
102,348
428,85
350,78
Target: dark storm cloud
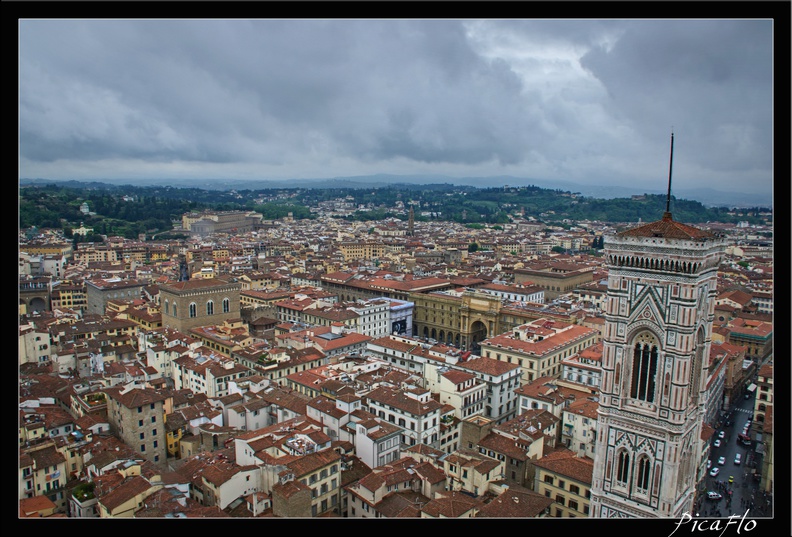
x,y
582,100
196,89
711,80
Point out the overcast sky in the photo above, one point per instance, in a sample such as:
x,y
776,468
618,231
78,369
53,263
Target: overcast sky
x,y
588,101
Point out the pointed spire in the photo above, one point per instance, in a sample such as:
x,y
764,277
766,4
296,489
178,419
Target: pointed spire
x,y
667,213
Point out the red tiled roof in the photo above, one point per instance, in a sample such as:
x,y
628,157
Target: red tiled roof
x,y
566,462
667,228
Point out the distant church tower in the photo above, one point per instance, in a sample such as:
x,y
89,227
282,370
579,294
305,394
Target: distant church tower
x,y
411,223
662,279
184,273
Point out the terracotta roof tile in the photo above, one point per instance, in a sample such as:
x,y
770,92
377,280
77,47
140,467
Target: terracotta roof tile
x,y
668,228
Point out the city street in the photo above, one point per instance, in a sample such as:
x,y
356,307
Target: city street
x,y
743,494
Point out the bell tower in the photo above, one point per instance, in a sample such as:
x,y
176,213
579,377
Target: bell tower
x,y
662,284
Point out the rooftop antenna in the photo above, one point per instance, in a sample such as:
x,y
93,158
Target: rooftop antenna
x,y
670,165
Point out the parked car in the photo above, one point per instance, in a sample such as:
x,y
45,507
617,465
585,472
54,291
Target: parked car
x,y
721,461
717,443
709,464
737,459
715,471
722,434
712,495
731,479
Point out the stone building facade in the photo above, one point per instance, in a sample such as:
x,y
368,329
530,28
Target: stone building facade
x,y
459,318
555,279
209,222
662,285
291,499
98,292
137,416
202,302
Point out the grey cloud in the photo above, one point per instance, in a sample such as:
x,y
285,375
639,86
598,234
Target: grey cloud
x,y
564,99
709,79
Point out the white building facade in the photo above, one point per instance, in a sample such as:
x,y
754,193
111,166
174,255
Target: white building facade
x,y
662,285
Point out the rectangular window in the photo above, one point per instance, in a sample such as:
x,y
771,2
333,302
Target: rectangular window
x,y
573,505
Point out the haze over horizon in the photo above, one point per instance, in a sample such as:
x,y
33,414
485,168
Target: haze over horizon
x,y
586,102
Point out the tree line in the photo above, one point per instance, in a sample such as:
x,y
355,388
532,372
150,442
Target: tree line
x,y
132,210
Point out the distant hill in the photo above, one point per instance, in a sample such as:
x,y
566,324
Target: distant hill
x,y
706,196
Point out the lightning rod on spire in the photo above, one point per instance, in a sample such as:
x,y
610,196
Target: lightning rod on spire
x,y
670,165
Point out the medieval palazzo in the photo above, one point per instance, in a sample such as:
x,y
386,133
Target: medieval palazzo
x,y
658,328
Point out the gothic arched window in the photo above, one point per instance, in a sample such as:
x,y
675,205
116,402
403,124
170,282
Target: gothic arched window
x,y
226,305
644,368
210,307
644,472
699,360
193,310
623,467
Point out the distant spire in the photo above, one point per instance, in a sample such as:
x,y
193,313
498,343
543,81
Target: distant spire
x,y
667,213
